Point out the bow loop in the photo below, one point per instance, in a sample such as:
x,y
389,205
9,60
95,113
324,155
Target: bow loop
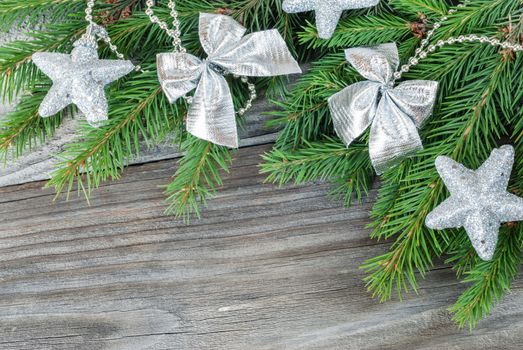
x,y
353,109
376,63
259,54
219,34
416,98
178,73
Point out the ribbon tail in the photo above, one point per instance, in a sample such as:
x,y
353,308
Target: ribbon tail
x,y
393,136
353,109
211,116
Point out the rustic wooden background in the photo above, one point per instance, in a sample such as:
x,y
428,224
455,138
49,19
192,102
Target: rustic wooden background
x,y
265,267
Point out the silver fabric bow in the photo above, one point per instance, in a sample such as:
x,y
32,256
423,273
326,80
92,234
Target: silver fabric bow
x,y
211,115
394,113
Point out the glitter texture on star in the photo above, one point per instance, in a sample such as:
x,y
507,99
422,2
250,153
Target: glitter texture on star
x,y
328,12
479,200
79,78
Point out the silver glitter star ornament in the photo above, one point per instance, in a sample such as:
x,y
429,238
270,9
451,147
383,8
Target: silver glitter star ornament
x,y
80,78
393,113
328,12
211,114
479,201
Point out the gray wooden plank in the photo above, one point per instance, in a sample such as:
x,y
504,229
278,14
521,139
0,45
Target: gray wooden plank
x,y
265,268
40,163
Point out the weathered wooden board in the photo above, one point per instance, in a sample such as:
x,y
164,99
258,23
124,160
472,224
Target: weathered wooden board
x,y
40,163
265,268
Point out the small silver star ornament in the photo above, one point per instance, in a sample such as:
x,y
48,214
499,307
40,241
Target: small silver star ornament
x,y
328,12
479,201
79,78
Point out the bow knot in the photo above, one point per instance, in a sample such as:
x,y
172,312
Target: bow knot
x,y
214,67
211,115
393,113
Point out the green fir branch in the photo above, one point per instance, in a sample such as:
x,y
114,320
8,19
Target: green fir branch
x,y
429,8
17,72
490,280
355,31
472,127
15,14
197,177
138,112
23,128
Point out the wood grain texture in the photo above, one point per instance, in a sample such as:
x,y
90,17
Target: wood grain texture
x,y
41,162
265,268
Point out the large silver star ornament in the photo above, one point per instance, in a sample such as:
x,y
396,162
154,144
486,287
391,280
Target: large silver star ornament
x,y
328,12
79,78
479,200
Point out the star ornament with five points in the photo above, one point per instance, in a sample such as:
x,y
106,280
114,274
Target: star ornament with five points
x,y
328,12
479,200
79,78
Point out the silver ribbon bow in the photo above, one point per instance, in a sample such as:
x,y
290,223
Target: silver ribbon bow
x,y
393,113
211,115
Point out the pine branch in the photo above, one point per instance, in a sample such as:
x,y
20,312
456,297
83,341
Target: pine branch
x,y
197,177
15,14
328,160
360,30
480,14
355,184
23,128
17,72
465,136
490,280
138,111
432,8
